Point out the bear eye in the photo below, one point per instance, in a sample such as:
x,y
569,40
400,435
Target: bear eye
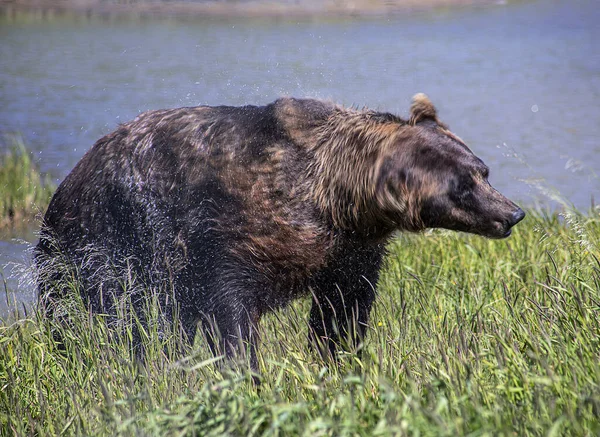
x,y
485,172
462,187
466,185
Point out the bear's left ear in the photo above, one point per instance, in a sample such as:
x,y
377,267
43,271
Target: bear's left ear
x,y
421,109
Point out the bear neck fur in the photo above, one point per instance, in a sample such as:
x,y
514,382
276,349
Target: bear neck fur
x,y
348,151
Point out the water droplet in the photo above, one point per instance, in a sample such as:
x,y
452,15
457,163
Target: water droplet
x,y
535,108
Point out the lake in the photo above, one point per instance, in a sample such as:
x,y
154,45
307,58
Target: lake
x,y
518,81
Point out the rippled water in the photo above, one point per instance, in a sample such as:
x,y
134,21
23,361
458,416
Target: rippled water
x,y
519,82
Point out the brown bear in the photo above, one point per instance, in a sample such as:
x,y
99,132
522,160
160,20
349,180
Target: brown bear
x,y
242,209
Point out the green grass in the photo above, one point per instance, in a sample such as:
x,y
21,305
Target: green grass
x,y
24,192
468,337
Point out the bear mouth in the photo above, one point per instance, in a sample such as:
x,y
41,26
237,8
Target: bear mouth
x,y
515,218
498,232
504,231
496,235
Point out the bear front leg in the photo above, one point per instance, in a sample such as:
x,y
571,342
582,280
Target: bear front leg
x,y
343,295
230,327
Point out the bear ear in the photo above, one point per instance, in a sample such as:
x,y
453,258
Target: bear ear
x,y
422,109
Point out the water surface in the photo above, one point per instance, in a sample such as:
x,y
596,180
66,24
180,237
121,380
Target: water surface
x,y
518,82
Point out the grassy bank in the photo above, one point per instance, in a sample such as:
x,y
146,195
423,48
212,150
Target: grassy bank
x,y
24,192
469,337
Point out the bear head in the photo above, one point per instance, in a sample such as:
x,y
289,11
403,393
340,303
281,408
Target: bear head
x,y
433,180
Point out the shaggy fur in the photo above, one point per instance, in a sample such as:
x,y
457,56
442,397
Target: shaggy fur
x,y
239,210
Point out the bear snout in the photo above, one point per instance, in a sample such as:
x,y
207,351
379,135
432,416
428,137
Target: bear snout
x,y
515,217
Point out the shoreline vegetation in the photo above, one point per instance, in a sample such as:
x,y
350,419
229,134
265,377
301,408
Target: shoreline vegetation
x,y
469,336
234,8
24,192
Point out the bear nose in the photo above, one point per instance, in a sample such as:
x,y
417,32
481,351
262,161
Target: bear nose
x,y
517,216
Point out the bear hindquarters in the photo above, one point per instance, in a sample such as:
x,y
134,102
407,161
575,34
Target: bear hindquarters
x,y
342,298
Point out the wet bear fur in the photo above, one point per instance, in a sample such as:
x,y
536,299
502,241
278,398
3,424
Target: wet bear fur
x,y
231,212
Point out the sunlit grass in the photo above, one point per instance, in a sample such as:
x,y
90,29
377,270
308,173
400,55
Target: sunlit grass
x,y
468,337
24,192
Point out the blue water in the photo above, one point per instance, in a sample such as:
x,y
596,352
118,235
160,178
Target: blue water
x,y
519,82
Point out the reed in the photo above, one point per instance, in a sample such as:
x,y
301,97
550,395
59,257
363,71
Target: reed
x,y
24,191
